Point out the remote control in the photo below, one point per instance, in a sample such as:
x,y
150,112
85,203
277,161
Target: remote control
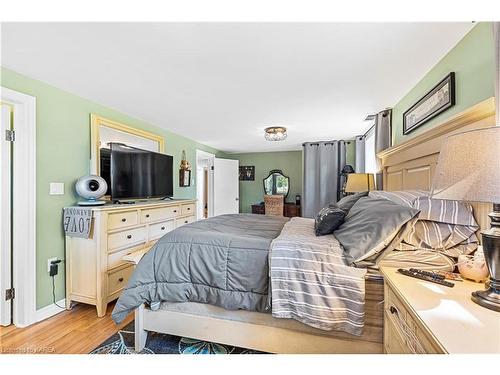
x,y
419,275
428,273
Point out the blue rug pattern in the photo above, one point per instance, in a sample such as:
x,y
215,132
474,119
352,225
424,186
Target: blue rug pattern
x,y
122,342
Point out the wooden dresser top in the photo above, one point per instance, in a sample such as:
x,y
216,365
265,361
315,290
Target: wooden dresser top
x,y
140,204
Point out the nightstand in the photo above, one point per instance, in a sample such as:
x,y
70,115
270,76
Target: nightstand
x,y
424,317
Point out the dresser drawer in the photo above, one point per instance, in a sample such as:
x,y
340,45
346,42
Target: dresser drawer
x,y
397,318
394,340
116,259
158,230
155,214
122,219
126,238
393,306
185,220
188,209
117,280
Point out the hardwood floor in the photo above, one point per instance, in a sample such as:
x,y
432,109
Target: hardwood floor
x,y
78,331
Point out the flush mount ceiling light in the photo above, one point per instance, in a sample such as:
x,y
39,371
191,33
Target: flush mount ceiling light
x,y
275,133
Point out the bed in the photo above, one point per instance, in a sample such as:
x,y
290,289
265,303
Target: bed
x,y
405,167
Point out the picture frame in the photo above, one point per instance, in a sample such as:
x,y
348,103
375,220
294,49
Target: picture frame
x,y
247,173
439,99
184,177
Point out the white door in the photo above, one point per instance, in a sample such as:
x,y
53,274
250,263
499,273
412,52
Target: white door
x,y
5,216
226,187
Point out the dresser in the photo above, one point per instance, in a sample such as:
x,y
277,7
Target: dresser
x,y
424,317
96,272
291,209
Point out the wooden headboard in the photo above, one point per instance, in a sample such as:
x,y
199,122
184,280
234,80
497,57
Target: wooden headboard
x,y
411,165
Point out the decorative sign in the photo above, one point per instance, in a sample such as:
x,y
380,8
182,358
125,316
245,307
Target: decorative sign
x,y
77,221
438,100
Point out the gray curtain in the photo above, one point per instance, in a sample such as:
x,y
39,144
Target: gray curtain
x,y
383,140
496,34
323,162
360,154
383,130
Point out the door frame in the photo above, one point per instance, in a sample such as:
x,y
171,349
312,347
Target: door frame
x,y
5,219
23,205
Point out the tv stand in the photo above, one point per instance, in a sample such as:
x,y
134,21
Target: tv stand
x,y
165,198
95,270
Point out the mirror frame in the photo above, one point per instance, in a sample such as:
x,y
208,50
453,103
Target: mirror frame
x,y
97,121
271,172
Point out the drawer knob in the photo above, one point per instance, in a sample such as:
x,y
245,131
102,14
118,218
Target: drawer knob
x,y
147,215
124,220
120,280
129,236
188,208
185,222
175,211
393,310
162,228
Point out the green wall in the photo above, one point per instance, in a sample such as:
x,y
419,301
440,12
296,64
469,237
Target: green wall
x,y
290,162
63,153
472,60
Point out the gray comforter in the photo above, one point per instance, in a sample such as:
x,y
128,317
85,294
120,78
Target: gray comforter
x,y
222,261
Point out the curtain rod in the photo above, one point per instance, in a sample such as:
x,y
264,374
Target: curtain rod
x,y
325,142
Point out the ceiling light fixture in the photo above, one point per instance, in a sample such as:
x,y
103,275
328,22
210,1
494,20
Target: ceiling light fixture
x,y
275,133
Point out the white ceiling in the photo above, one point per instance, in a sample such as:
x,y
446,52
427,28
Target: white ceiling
x,y
223,83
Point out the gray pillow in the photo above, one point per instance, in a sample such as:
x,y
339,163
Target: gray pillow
x,y
348,201
372,228
328,220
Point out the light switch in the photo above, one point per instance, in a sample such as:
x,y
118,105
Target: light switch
x,y
56,188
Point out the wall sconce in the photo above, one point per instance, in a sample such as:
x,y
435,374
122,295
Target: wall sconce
x,y
184,171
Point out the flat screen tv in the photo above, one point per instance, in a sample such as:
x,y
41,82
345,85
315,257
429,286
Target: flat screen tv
x,y
136,173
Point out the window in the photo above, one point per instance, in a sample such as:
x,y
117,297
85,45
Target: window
x,y
370,156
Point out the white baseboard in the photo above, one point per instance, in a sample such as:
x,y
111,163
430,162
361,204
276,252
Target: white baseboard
x,y
50,310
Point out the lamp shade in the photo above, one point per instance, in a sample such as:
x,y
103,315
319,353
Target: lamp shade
x,y
469,167
357,182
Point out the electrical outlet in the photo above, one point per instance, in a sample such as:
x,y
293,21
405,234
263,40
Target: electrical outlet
x,y
48,263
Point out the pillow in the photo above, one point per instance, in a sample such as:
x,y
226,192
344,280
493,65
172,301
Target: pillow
x,y
327,220
372,228
406,198
348,201
446,226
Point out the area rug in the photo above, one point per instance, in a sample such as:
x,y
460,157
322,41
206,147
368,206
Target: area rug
x,y
158,343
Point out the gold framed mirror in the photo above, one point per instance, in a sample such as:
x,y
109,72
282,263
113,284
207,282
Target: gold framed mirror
x,y
103,131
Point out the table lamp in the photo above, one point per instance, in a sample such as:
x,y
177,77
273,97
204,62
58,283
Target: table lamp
x,y
469,169
357,182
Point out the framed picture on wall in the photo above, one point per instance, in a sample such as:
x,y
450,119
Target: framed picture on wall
x,y
436,101
247,173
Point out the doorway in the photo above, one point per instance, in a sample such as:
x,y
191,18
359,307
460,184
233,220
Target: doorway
x,y
17,208
204,184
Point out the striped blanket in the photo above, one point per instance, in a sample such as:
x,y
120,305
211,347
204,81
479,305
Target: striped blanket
x,y
311,281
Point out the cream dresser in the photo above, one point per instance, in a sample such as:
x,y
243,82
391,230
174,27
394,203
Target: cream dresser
x,y
95,270
424,317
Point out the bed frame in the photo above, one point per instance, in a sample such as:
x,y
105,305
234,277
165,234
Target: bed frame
x,y
409,165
